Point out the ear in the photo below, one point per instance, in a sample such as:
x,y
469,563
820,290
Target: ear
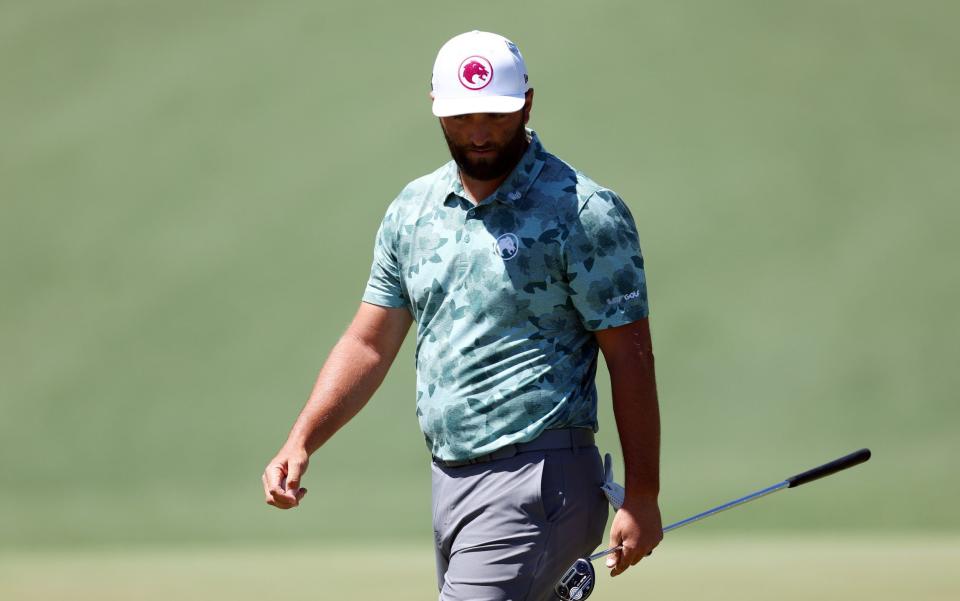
x,y
527,106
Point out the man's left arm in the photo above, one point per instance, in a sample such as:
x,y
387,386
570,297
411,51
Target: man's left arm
x,y
628,352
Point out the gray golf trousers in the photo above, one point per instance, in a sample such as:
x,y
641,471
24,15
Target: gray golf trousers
x,y
507,529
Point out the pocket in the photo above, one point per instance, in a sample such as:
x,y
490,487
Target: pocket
x,y
552,486
436,479
600,511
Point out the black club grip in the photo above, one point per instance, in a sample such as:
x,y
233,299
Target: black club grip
x,y
855,458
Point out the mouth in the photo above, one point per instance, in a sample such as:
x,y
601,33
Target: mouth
x,y
482,151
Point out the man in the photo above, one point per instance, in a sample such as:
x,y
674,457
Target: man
x,y
517,269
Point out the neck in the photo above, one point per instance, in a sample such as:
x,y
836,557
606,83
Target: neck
x,y
478,189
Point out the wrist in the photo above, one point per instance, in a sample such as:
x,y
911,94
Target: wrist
x,y
637,496
295,444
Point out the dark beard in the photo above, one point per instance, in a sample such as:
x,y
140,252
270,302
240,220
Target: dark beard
x,y
500,165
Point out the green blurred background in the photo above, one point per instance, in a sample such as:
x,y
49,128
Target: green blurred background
x,y
188,197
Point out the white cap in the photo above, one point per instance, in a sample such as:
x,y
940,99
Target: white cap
x,y
478,72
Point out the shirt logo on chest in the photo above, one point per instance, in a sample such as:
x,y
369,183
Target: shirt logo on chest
x,y
508,245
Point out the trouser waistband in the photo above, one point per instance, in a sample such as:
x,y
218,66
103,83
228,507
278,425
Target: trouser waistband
x,y
568,438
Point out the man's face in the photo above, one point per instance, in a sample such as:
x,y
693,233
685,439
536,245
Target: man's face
x,y
486,146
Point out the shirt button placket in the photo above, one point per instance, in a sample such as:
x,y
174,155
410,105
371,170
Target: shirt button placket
x,y
466,224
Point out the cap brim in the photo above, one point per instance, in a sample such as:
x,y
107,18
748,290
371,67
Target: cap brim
x,y
448,107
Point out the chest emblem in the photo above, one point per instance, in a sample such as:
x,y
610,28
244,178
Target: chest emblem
x,y
508,245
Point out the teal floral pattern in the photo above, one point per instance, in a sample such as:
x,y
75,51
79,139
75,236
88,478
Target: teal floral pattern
x,y
506,295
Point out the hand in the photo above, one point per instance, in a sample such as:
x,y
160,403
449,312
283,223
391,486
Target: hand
x,y
281,478
636,527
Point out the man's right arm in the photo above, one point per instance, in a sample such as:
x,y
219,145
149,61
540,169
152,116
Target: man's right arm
x,y
351,374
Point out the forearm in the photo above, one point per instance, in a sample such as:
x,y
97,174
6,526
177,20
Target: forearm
x,y
351,374
637,413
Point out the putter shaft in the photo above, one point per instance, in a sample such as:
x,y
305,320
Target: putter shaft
x,y
696,518
837,465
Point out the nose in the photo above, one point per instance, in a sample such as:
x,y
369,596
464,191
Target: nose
x,y
480,134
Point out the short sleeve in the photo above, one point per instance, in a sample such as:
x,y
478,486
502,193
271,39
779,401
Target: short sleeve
x,y
384,287
604,264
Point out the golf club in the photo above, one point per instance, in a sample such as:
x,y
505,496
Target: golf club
x,y
577,582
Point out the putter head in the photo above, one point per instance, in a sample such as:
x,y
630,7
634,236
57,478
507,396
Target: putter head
x,y
576,584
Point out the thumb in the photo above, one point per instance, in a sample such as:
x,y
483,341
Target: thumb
x,y
615,541
613,559
294,472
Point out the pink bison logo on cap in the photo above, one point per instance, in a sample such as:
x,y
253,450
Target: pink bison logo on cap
x,y
475,73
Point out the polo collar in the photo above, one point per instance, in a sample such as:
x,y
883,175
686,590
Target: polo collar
x,y
515,187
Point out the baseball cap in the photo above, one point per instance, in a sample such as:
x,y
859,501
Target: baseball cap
x,y
478,72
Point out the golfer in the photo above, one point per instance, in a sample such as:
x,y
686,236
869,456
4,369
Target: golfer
x,y
517,269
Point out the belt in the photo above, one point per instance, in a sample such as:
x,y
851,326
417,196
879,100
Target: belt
x,y
569,438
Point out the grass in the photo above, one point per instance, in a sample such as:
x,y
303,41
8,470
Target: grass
x,y
787,568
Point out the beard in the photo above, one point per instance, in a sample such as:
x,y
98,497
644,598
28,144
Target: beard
x,y
504,158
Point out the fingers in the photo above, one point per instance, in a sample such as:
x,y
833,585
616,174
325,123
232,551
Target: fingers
x,y
620,561
631,556
615,559
281,478
636,539
628,555
275,487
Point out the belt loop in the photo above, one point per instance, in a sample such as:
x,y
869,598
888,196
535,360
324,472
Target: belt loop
x,y
573,442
